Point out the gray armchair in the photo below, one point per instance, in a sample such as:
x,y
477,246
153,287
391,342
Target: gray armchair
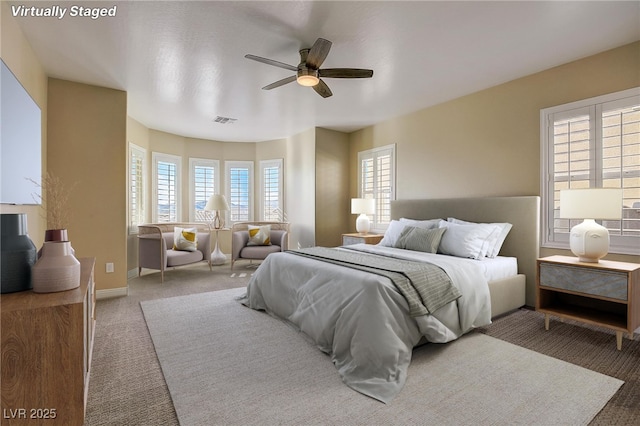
x,y
279,238
155,247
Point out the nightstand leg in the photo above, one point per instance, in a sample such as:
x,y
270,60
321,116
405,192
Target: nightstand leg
x,y
619,340
546,321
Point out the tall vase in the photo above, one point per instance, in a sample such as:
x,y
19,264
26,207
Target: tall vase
x,y
18,253
57,269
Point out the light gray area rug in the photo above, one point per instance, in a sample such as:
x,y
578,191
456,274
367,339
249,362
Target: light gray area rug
x,y
227,364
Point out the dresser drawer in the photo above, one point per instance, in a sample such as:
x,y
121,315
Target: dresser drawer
x,y
603,283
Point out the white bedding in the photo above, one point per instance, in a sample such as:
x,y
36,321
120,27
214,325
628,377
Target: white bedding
x,y
360,319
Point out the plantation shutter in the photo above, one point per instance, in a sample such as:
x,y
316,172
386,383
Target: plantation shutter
x,y
204,184
376,175
167,205
136,187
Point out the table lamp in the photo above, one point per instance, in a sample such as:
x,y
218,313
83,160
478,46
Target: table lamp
x,y
590,240
216,203
363,207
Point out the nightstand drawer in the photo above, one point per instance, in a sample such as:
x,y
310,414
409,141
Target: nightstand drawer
x,y
595,282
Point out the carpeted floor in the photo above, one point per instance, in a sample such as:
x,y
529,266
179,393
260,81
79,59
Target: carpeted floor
x,y
127,386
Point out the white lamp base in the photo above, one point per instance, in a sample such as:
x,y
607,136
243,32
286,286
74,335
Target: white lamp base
x,y
363,224
589,241
217,256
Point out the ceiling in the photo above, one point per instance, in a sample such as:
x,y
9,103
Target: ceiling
x,y
182,62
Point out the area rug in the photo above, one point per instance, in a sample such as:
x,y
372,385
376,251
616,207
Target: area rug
x,y
226,364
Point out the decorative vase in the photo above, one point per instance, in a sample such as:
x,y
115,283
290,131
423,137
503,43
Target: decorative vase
x,y
57,269
55,235
18,253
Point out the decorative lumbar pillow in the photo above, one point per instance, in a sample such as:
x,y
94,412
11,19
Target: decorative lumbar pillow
x,y
425,224
185,239
259,235
420,239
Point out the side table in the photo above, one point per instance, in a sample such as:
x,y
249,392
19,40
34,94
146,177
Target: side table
x,y
606,294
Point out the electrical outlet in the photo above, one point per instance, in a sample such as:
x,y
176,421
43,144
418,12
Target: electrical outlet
x,y
109,267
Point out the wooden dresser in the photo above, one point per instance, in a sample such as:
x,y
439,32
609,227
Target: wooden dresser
x,y
47,340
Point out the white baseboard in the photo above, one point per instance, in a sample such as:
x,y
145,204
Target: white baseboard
x,y
132,273
112,292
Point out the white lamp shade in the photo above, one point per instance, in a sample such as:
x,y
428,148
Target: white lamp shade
x,y
592,203
363,205
590,240
217,202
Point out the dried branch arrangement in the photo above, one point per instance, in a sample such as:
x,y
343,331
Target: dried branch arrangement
x,y
54,199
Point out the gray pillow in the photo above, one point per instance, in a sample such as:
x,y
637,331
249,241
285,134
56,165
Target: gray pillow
x,y
420,239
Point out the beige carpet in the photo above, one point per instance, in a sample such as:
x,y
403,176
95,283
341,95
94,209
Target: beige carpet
x,y
227,364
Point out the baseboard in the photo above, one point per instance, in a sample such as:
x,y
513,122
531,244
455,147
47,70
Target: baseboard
x,y
132,273
112,292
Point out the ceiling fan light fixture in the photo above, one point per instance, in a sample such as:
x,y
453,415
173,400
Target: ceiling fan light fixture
x,y
307,77
308,80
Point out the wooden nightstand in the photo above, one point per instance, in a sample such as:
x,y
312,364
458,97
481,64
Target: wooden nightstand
x,y
361,238
605,293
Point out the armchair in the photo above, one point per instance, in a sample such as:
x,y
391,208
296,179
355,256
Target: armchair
x,y
279,239
155,247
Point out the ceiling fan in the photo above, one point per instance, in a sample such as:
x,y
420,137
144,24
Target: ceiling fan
x,y
308,72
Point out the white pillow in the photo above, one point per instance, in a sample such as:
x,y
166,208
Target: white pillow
x,y
392,233
185,239
470,241
259,235
497,237
424,224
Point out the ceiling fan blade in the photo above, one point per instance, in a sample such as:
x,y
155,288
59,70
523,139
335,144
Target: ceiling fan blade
x,y
271,62
322,89
345,73
280,83
318,53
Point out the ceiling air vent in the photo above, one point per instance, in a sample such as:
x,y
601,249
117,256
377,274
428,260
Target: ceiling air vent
x,y
224,120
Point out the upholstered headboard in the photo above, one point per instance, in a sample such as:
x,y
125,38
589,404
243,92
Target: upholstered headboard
x,y
523,213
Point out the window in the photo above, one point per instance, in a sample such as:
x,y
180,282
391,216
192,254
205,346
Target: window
x,y
137,173
593,143
239,176
166,187
203,183
271,200
376,179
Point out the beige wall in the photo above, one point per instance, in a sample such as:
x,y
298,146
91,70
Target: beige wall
x,y
488,143
332,187
21,60
300,188
87,149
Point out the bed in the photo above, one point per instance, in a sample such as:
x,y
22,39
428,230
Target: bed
x,y
369,322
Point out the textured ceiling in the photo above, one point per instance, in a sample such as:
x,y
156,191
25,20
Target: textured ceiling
x,y
182,62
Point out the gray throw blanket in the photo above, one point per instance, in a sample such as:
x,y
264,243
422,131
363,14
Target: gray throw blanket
x,y
425,286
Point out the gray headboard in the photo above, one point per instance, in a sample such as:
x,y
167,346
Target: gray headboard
x,y
523,213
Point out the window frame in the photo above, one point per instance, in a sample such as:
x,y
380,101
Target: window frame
x,y
263,165
157,157
228,165
201,162
142,153
376,224
593,108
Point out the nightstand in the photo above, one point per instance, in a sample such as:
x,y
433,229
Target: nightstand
x,y
357,238
606,294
